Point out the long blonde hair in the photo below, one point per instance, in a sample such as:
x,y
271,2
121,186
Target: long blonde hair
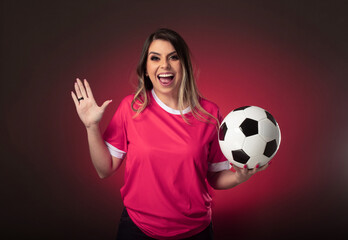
x,y
188,91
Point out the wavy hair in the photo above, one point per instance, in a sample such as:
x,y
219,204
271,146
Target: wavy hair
x,y
188,92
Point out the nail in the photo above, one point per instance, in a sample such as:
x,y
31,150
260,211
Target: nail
x,y
257,165
245,166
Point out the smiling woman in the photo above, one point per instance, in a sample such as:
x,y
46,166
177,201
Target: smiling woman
x,y
169,134
165,51
165,72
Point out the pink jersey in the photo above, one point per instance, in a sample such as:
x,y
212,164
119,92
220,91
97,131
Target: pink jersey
x,y
165,191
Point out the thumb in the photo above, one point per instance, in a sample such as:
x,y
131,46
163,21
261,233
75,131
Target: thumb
x,y
105,104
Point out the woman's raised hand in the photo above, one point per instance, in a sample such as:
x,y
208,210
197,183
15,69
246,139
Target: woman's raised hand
x,y
88,110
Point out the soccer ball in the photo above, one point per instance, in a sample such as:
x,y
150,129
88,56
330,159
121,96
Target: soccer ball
x,y
249,135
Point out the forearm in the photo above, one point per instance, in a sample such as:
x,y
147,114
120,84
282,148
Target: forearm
x,y
100,155
225,179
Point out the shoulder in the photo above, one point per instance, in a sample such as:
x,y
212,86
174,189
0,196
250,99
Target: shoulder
x,y
209,106
126,101
125,105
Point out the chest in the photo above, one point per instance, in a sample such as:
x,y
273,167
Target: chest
x,y
169,136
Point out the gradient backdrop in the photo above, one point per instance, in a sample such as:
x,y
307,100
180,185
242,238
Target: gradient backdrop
x,y
289,57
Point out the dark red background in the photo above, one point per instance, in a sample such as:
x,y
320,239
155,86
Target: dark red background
x,y
289,57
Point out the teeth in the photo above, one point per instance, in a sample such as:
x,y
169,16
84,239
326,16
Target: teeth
x,y
166,75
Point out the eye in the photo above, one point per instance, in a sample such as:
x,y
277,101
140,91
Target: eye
x,y
174,57
154,58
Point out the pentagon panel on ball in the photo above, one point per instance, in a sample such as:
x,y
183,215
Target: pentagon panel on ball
x,y
249,135
249,127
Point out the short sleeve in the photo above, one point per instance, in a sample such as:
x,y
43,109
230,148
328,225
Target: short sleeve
x,y
115,135
217,161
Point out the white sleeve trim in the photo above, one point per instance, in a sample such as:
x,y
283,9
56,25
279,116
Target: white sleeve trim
x,y
220,166
115,152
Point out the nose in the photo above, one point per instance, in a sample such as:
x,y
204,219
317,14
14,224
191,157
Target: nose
x,y
165,64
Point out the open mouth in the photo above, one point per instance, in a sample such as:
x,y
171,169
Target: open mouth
x,y
165,78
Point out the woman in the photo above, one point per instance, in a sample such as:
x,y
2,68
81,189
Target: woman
x,y
169,134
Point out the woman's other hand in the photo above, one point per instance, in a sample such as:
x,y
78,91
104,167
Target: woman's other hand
x,y
243,174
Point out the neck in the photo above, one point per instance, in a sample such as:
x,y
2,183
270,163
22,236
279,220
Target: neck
x,y
171,100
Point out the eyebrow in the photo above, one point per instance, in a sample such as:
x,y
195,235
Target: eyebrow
x,y
160,54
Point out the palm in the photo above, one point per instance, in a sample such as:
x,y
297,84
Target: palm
x,y
88,110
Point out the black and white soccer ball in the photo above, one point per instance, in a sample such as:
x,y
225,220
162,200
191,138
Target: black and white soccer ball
x,y
249,135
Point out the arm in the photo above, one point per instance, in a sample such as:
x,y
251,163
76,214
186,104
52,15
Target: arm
x,y
227,179
91,114
104,163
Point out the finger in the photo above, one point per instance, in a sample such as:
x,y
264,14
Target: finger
x,y
232,167
77,90
255,169
238,169
258,168
74,98
105,104
82,88
245,169
263,167
88,89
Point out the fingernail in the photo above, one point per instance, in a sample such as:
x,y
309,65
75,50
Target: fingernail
x,y
257,165
245,166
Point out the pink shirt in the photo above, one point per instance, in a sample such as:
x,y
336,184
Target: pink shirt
x,y
165,191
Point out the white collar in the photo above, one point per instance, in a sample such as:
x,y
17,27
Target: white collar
x,y
169,109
